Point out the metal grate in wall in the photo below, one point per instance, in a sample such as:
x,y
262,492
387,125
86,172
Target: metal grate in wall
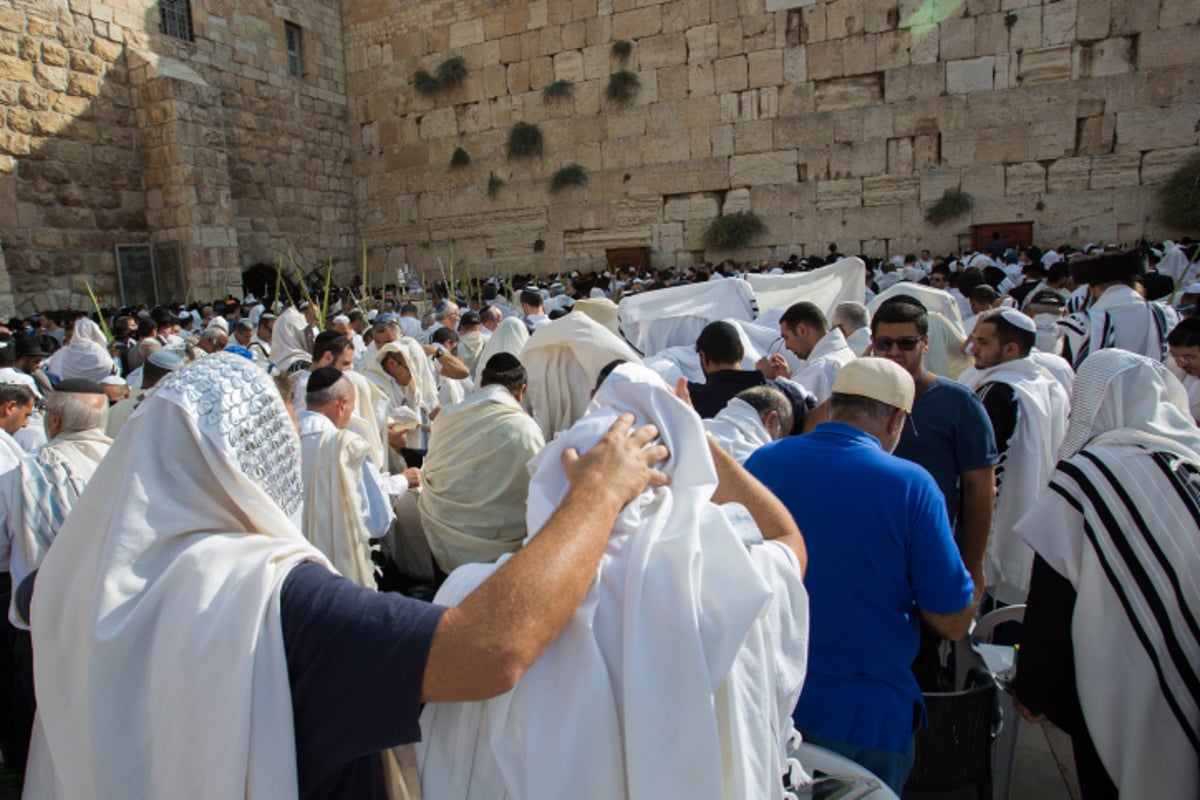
x,y
175,18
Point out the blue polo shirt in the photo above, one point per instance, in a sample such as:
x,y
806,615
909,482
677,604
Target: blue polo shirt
x,y
879,547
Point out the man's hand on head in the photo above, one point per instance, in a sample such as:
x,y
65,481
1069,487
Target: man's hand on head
x,y
620,464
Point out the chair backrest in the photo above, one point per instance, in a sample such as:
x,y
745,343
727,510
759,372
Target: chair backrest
x,y
955,751
987,624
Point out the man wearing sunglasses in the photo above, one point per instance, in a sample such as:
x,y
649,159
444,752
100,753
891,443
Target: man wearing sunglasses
x,y
951,436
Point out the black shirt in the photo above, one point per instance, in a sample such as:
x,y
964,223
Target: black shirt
x,y
720,387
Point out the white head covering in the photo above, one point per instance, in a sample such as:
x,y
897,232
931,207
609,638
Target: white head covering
x,y
1122,397
219,322
421,392
510,336
157,609
289,344
86,356
13,376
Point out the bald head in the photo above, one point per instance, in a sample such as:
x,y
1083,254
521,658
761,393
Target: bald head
x,y
75,411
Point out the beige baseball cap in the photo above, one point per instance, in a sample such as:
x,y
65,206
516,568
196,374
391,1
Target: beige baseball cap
x,y
878,379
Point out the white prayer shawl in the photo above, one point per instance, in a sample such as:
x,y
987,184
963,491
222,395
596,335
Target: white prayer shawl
x,y
260,349
156,616
1192,386
935,301
1120,318
1173,263
12,457
761,337
1058,367
600,309
85,357
366,421
828,356
48,485
289,341
474,480
825,287
509,337
859,341
421,393
660,708
654,321
563,361
738,429
1120,522
470,348
331,464
1049,334
1024,469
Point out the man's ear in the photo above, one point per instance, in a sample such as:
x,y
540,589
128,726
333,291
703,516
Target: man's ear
x,y
772,418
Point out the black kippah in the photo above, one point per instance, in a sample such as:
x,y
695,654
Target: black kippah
x,y
322,378
79,386
502,362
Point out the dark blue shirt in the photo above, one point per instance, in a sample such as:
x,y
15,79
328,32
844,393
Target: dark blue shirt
x,y
879,546
356,662
720,387
952,435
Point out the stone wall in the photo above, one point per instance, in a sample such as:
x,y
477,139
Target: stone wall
x,y
114,133
838,121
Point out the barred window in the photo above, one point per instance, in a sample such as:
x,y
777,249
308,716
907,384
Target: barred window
x,y
295,57
175,18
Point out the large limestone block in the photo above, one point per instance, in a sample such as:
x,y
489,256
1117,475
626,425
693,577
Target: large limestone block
x,y
852,92
1108,57
983,180
899,155
991,34
730,74
1029,178
722,140
892,49
702,44
917,82
440,123
1134,16
1173,13
825,60
1168,47
1052,136
700,79
528,222
882,190
736,200
668,50
695,206
765,68
568,66
1046,65
1155,128
844,18
858,54
795,64
874,222
1116,171
637,24
846,193
936,182
1026,32
858,159
469,31
924,47
880,15
1069,175
673,83
778,166
1157,165
689,176
755,136
1094,135
970,75
1093,19
1058,23
956,38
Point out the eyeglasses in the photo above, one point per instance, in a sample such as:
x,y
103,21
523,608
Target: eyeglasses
x,y
906,343
776,347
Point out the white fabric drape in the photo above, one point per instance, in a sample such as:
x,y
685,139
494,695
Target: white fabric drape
x,y
602,310
825,287
509,337
85,357
653,321
677,674
738,429
563,361
935,301
161,668
474,480
366,420
289,341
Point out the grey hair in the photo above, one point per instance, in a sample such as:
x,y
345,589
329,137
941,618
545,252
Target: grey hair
x,y
76,413
147,346
450,310
214,333
765,399
335,391
868,412
852,314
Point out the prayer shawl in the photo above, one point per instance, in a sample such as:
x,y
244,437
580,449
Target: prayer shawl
x,y
470,348
260,349
738,429
654,321
824,287
935,301
830,354
563,361
1173,263
420,396
1121,522
1192,386
156,617
1024,468
600,309
474,480
12,457
757,340
48,486
331,464
1058,367
85,357
290,348
365,421
509,337
1119,318
677,674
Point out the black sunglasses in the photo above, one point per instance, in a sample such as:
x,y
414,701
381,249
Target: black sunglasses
x,y
905,343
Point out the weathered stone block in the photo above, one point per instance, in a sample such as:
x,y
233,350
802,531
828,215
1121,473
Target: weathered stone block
x,y
882,190
730,74
891,49
1131,17
935,183
924,47
518,77
637,24
1167,47
662,51
736,200
729,38
956,38
465,32
917,82
991,35
765,68
1155,128
825,60
1109,57
1027,178
795,64
985,180
1047,65
439,124
755,136
1158,165
853,92
880,15
568,66
1094,135
1093,19
700,79
900,155
1026,32
970,75
858,159
763,168
1173,13
846,193
844,18
695,206
858,54
1116,171
722,140
702,44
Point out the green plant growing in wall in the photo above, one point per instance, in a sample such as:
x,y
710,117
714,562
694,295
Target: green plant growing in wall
x,y
622,49
622,86
524,140
424,83
1179,197
570,175
493,186
539,245
953,203
559,90
460,158
731,231
452,72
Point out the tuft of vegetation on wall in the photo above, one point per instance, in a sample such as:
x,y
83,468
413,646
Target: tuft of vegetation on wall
x,y
524,140
450,73
460,158
622,87
493,186
1179,197
559,90
731,231
570,175
953,203
622,49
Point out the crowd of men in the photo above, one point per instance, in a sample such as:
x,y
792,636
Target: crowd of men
x,y
250,548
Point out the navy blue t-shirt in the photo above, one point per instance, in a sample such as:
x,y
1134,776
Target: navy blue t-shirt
x,y
879,549
953,435
356,661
